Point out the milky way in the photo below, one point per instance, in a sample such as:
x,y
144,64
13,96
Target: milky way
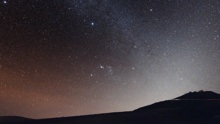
x,y
76,57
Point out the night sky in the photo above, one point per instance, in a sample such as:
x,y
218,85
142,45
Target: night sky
x,y
75,57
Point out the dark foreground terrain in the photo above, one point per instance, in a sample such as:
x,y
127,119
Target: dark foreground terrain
x,y
191,108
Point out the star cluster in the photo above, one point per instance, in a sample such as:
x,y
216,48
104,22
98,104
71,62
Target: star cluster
x,y
76,57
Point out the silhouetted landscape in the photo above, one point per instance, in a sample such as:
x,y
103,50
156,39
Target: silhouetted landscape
x,y
201,107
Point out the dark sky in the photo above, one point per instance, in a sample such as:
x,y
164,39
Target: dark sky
x,y
76,57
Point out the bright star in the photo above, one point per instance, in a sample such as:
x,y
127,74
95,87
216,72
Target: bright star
x,y
92,23
4,1
102,67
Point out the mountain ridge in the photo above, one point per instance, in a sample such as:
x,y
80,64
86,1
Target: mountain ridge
x,y
190,108
202,95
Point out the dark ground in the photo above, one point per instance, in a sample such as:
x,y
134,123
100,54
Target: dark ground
x,y
191,108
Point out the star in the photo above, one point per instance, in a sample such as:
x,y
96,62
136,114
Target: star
x,y
102,67
5,2
92,23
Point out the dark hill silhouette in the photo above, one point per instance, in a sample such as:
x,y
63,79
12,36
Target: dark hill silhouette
x,y
12,119
200,95
192,108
